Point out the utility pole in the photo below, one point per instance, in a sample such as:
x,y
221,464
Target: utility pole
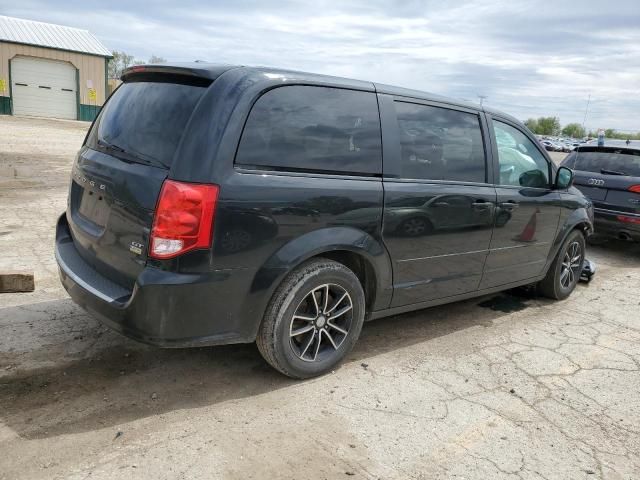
x,y
482,97
586,110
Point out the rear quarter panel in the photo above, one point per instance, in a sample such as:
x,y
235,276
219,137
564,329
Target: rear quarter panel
x,y
269,222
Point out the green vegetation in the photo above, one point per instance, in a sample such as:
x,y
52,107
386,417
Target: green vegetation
x,y
544,125
573,130
611,133
550,126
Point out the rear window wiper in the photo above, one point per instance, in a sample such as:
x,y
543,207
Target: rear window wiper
x,y
604,171
111,146
130,156
118,150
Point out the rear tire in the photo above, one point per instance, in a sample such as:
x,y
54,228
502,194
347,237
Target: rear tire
x,y
313,319
564,272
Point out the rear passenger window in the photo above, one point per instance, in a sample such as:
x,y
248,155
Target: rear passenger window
x,y
440,144
304,128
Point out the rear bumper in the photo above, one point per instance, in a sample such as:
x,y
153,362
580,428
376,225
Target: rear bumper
x,y
607,223
166,309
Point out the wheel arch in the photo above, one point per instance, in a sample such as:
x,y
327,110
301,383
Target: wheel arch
x,y
577,220
363,269
354,248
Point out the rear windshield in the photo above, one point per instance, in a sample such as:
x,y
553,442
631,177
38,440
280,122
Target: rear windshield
x,y
621,163
144,121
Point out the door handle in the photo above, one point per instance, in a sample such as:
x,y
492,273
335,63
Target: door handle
x,y
509,206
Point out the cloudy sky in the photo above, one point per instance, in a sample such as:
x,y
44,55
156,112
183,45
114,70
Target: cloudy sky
x,y
528,58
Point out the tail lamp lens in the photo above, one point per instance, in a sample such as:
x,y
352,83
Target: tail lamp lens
x,y
635,188
625,219
183,219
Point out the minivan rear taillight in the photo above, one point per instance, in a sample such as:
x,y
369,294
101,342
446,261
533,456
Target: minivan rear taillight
x,y
634,188
183,220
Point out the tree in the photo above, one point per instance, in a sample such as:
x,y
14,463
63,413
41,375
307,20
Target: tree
x,y
122,60
573,130
532,124
119,62
544,125
548,126
613,133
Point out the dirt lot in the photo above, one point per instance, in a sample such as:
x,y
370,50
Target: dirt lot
x,y
506,387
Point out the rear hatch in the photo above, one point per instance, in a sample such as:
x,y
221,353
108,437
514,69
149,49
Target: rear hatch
x,y
120,169
609,176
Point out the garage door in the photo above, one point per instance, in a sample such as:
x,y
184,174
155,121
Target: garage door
x,y
43,88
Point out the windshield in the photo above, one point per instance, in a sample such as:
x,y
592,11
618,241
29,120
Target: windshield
x,y
619,162
144,121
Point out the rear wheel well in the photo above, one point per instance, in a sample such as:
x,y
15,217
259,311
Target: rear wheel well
x,y
361,267
584,227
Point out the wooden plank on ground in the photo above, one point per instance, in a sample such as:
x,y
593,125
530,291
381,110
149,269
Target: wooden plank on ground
x,y
16,282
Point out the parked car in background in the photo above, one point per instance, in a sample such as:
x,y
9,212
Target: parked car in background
x,y
216,204
550,146
610,177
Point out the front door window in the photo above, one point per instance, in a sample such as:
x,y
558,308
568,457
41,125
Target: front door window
x,y
521,163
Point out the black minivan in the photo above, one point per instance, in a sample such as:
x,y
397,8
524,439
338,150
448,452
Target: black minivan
x,y
216,204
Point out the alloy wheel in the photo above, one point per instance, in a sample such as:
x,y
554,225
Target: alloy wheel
x,y
321,322
571,265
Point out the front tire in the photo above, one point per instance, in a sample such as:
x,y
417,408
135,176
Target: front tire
x,y
564,272
313,319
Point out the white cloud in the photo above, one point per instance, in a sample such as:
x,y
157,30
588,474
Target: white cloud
x,y
529,58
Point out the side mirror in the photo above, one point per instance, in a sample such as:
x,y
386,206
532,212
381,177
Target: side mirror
x,y
564,178
533,179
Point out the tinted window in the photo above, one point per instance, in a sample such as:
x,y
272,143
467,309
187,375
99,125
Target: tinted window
x,y
616,161
145,120
521,163
440,144
313,128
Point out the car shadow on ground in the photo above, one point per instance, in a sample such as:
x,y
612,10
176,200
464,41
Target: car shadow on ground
x,y
124,381
118,380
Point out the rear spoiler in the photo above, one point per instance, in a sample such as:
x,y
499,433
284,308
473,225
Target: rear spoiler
x,y
194,73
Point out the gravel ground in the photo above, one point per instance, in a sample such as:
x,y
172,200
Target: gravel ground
x,y
502,387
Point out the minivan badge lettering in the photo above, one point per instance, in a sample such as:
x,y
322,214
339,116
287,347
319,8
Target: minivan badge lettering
x,y
136,248
92,183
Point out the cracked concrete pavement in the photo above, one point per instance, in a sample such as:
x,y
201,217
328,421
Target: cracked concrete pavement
x,y
503,387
